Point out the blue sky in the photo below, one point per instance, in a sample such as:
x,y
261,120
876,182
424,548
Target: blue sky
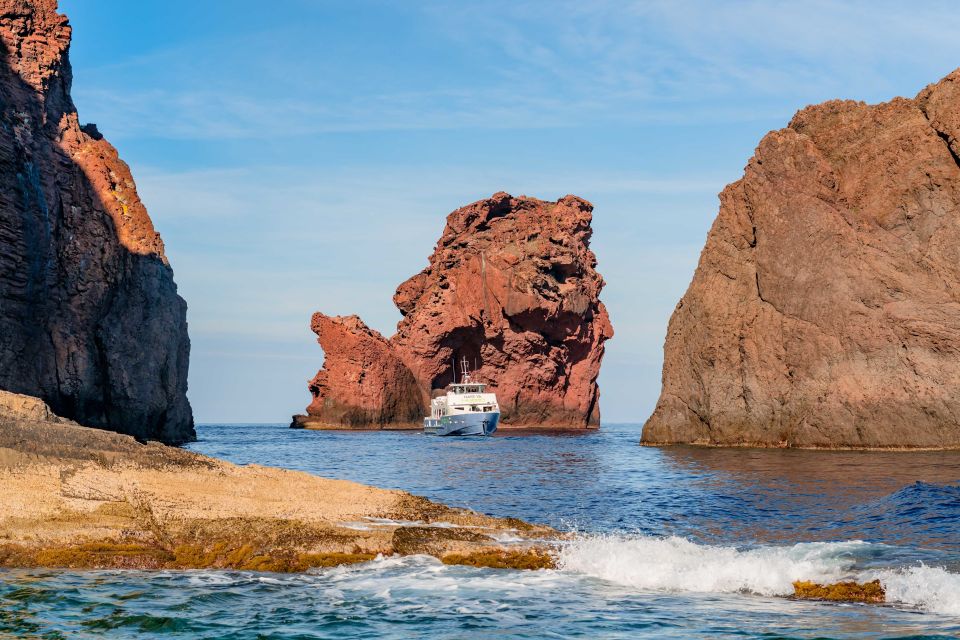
x,y
302,155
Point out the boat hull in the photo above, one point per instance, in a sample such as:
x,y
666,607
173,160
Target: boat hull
x,y
463,424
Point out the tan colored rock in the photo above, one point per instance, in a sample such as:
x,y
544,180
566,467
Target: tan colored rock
x,y
90,319
21,407
87,498
512,287
825,310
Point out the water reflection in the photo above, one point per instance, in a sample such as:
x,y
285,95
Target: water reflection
x,y
902,498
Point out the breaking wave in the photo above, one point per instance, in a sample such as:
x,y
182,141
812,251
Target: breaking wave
x,y
676,564
932,589
679,565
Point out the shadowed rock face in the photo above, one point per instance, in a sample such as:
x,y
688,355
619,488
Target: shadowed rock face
x,y
512,286
90,320
825,311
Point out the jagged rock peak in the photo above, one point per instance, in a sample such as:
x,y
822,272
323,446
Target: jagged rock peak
x,y
362,381
512,286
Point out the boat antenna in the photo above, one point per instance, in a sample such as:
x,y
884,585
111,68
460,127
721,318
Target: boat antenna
x,y
453,366
465,374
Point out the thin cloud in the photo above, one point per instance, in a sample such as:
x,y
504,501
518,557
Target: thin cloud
x,y
533,65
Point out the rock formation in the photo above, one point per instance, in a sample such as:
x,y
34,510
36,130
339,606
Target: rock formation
x,y
512,287
83,498
362,382
825,311
90,320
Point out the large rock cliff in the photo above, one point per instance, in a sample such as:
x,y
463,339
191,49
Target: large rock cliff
x,y
825,311
512,287
90,320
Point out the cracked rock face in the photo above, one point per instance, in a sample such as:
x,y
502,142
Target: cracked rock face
x,y
511,286
825,310
90,319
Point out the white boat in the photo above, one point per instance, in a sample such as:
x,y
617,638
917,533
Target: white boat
x,y
464,408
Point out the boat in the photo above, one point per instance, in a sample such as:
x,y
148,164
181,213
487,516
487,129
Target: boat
x,y
464,408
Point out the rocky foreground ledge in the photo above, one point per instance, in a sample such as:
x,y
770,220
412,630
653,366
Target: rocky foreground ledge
x,y
80,498
76,497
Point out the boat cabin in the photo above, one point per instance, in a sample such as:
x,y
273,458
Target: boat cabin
x,y
473,387
465,396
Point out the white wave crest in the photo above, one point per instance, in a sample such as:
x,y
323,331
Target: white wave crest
x,y
676,564
932,589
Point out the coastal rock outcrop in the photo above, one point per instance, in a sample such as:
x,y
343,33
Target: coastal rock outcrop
x,y
83,498
362,381
512,287
825,310
90,319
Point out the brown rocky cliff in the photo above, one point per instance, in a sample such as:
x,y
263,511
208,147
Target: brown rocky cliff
x,y
90,319
511,286
825,311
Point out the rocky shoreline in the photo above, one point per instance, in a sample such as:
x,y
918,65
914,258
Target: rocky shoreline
x,y
84,498
81,498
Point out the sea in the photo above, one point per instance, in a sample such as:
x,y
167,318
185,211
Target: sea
x,y
671,543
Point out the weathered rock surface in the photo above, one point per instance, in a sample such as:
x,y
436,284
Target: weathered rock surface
x,y
362,382
87,498
90,320
512,286
825,311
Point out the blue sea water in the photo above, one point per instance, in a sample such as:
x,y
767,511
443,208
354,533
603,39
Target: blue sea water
x,y
674,543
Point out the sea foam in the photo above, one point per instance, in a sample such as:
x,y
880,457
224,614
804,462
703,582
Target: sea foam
x,y
932,589
676,564
679,565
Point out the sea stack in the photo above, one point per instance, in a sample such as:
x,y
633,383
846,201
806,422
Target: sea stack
x,y
512,287
90,319
825,310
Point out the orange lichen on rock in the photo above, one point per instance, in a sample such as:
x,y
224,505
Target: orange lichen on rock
x,y
529,559
872,592
120,555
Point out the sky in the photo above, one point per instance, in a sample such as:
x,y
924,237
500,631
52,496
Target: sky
x,y
302,155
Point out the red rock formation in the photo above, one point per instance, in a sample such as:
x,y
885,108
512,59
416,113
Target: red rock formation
x,y
825,311
511,286
362,382
90,320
